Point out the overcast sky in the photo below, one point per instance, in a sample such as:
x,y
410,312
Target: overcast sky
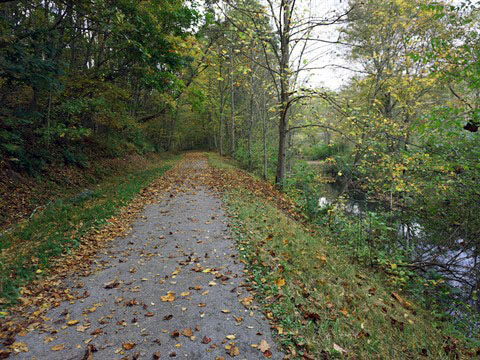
x,y
321,54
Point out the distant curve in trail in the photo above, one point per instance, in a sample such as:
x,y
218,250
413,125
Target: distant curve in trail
x,y
172,288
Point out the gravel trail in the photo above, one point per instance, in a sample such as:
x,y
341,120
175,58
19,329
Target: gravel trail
x,y
172,288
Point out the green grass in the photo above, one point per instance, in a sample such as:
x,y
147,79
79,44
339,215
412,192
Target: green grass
x,y
326,300
56,230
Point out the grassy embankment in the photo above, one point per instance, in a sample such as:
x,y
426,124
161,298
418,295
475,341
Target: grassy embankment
x,y
322,303
31,244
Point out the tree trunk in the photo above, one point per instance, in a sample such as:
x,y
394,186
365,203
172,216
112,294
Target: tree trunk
x,y
232,106
250,127
284,93
264,118
282,149
222,106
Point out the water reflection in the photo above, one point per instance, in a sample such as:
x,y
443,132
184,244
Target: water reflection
x,y
456,263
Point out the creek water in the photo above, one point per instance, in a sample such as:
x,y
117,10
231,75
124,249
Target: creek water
x,y
456,263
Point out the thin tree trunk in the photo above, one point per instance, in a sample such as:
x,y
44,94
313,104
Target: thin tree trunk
x,y
232,106
222,106
264,118
250,127
284,93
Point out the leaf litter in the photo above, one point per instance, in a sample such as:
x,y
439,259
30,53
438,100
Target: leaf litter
x,y
51,292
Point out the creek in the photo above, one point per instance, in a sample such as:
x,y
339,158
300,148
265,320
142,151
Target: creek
x,y
453,260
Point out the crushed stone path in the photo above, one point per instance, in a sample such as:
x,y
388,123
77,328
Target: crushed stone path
x,y
174,287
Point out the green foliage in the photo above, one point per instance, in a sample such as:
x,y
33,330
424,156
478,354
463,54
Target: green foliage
x,y
256,158
62,86
322,151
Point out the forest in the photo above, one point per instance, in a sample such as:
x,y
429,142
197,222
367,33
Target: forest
x,y
386,158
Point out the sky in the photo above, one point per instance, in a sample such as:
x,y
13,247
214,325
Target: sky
x,y
321,55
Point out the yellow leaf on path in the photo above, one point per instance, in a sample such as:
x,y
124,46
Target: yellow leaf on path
x,y
230,337
185,293
57,347
18,346
233,351
280,282
81,328
226,311
47,339
169,297
246,301
128,346
72,322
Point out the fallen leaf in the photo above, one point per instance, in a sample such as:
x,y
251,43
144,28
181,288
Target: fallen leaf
x,y
233,351
407,305
247,301
57,347
206,340
187,332
185,293
72,322
169,297
112,284
340,349
263,346
82,328
96,332
18,346
280,282
230,337
128,345
89,353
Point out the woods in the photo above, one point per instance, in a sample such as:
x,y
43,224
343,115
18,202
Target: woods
x,y
385,159
80,76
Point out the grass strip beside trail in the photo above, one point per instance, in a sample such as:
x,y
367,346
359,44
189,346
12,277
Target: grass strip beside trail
x,y
322,305
29,248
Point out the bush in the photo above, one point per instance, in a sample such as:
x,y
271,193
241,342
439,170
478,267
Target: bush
x,y
323,151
